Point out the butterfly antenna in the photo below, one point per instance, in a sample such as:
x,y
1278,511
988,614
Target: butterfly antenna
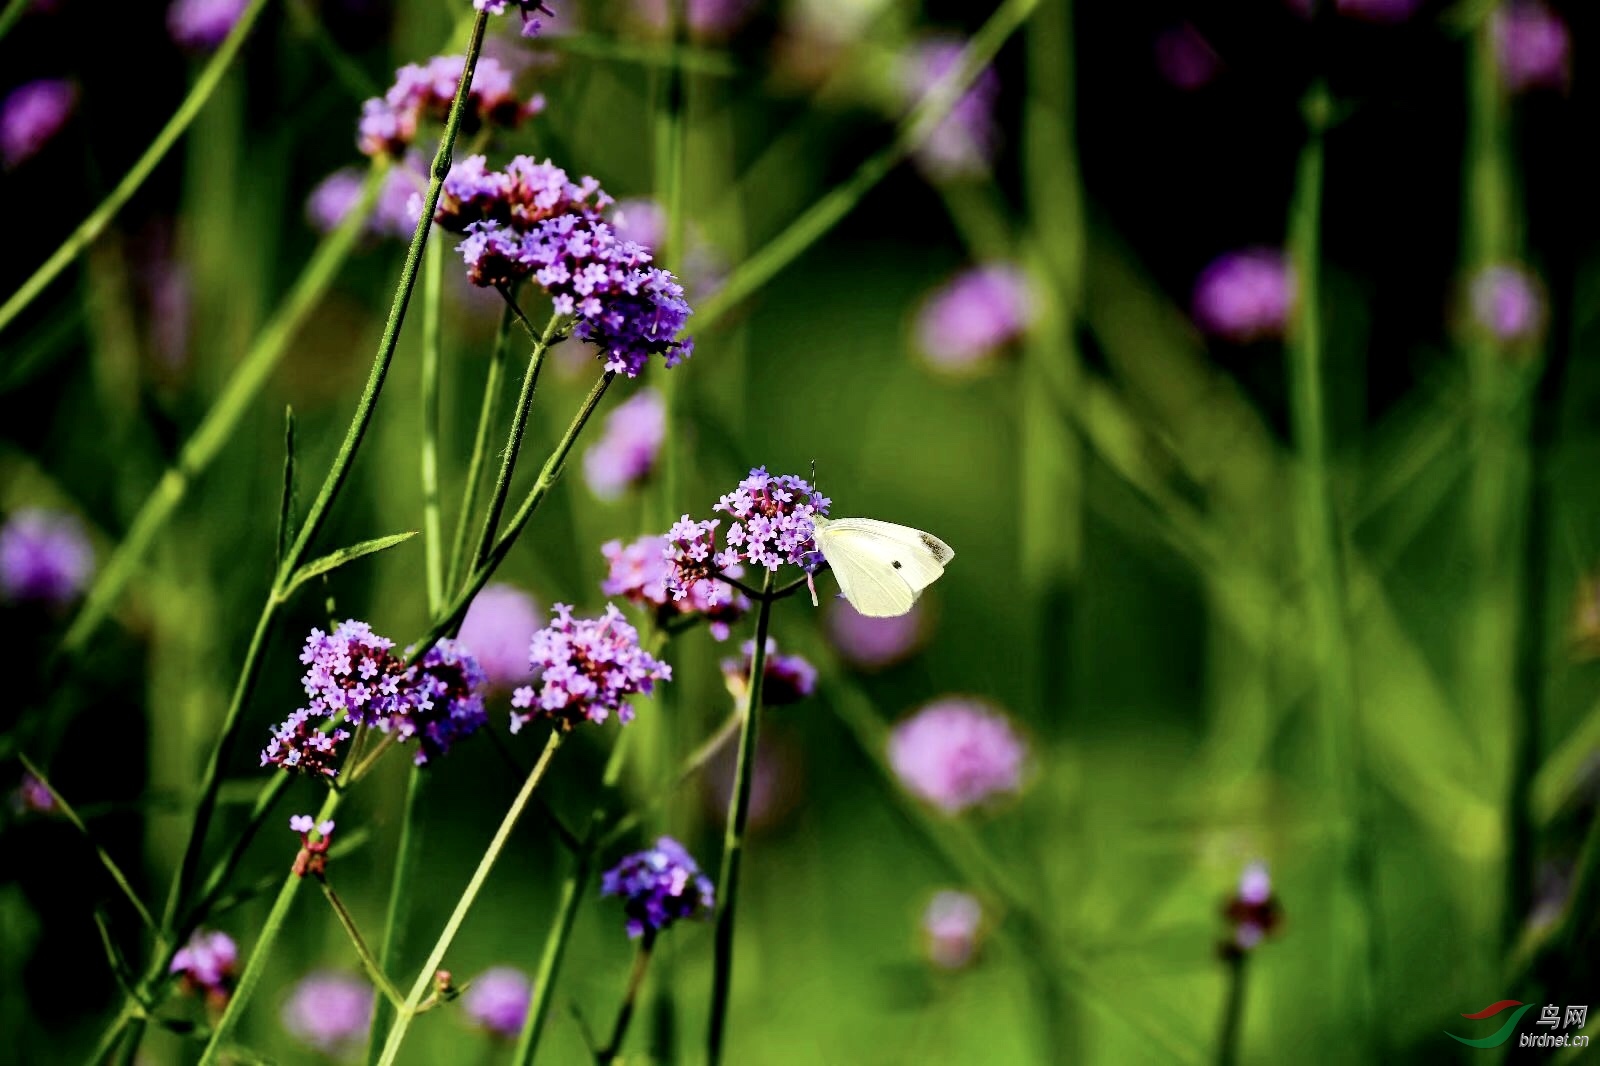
x,y
813,473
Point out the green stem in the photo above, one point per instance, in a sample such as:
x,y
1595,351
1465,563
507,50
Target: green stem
x,y
432,531
210,77
1232,1011
407,859
619,1031
112,1035
374,968
733,834
12,14
688,769
425,979
480,445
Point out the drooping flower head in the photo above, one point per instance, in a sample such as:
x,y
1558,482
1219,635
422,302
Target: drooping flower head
x,y
1252,911
498,626
531,10
587,667
786,679
1245,296
956,753
497,1000
1533,46
207,964
639,572
964,142
1508,304
952,927
44,557
770,525
626,452
873,643
328,1011
389,124
659,886
202,25
31,115
975,316
1185,58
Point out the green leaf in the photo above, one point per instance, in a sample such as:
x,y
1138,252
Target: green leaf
x,y
334,560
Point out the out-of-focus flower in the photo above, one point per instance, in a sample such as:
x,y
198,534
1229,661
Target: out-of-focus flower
x,y
708,19
497,1000
1586,618
700,266
207,964
587,667
873,643
201,25
786,678
31,797
639,571
776,781
530,9
659,886
389,123
1185,58
328,1011
1246,295
771,524
1533,46
956,753
498,626
1252,911
952,928
44,557
1378,10
962,145
975,316
31,115
315,839
625,454
393,215
1508,304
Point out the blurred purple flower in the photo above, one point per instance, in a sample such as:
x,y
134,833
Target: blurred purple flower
x,y
1508,303
951,928
708,19
1185,58
531,9
328,1011
1245,295
786,678
775,783
44,557
31,797
974,316
873,643
1252,911
389,123
498,627
202,25
31,115
963,143
1533,46
625,454
393,215
206,964
497,1000
957,753
587,667
771,525
658,887
334,197
1378,10
638,572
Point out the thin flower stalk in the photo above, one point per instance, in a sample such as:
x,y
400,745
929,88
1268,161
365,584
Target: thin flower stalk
x,y
619,1031
368,961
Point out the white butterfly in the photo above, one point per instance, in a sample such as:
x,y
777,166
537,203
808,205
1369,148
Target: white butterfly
x,y
882,568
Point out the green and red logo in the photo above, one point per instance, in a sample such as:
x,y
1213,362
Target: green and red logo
x,y
1501,1035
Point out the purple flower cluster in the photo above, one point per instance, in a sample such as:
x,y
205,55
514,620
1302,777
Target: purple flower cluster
x,y
639,572
530,9
786,679
523,194
1252,911
497,1000
354,676
207,964
44,557
701,267
1507,303
1246,295
873,643
202,25
32,797
659,886
389,123
1533,46
395,213
499,625
328,1011
770,525
626,452
31,115
957,753
962,144
587,667
951,927
974,316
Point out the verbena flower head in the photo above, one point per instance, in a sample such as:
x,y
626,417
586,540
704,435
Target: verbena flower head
x,y
201,25
786,678
952,927
639,572
956,753
963,144
31,797
659,886
497,1000
587,667
315,840
1245,295
626,452
523,194
498,626
770,524
448,701
424,91
44,557
1252,911
207,964
31,115
531,9
701,266
1185,58
328,1011
975,316
1532,45
1507,302
873,643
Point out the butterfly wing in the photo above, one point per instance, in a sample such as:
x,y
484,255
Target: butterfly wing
x,y
881,567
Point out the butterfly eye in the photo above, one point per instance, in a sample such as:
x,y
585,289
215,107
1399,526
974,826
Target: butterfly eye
x,y
897,564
